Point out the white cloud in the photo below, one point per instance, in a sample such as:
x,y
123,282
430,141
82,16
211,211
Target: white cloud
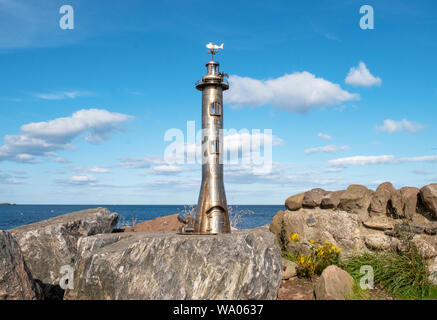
x,y
42,138
324,136
361,76
24,157
362,160
99,170
9,179
327,149
167,169
422,172
84,170
420,159
297,92
141,163
63,95
249,173
391,126
62,160
385,159
98,122
79,180
82,178
333,169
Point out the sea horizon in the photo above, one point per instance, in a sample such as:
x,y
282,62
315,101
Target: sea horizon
x,y
12,216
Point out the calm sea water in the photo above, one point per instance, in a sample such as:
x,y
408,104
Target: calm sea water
x,y
13,216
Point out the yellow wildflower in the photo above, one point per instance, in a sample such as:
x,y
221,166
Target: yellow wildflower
x,y
301,259
294,237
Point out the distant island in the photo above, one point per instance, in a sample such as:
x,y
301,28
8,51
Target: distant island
x,y
5,204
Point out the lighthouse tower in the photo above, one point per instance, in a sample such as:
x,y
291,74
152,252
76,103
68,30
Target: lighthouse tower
x,y
212,212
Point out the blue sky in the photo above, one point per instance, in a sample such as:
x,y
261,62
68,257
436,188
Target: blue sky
x,y
84,111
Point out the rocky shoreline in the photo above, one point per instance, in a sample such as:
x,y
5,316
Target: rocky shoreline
x,y
81,255
360,220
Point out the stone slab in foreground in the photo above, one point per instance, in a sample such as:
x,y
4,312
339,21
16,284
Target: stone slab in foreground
x,y
50,244
245,264
16,282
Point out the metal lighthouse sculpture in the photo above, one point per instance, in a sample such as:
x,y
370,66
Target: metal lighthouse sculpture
x,y
212,211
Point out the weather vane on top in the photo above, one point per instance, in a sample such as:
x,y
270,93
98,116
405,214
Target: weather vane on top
x,y
213,48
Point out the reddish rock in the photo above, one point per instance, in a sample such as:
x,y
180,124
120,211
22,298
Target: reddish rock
x,y
334,284
331,200
16,282
379,223
356,200
386,201
277,221
313,198
429,198
409,197
294,202
161,224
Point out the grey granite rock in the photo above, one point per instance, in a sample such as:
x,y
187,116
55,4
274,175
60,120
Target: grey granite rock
x,y
50,244
16,282
245,264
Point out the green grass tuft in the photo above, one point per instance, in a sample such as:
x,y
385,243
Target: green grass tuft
x,y
403,275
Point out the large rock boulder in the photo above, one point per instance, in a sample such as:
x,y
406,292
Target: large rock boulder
x,y
294,202
386,201
334,284
410,196
356,200
331,200
245,264
313,198
51,244
336,226
429,197
16,282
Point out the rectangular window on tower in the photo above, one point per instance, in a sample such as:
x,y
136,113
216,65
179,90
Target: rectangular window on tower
x,y
215,109
215,146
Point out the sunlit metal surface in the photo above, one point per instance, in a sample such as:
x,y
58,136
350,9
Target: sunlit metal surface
x,y
212,212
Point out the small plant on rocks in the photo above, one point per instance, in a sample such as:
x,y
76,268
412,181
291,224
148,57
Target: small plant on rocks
x,y
320,256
